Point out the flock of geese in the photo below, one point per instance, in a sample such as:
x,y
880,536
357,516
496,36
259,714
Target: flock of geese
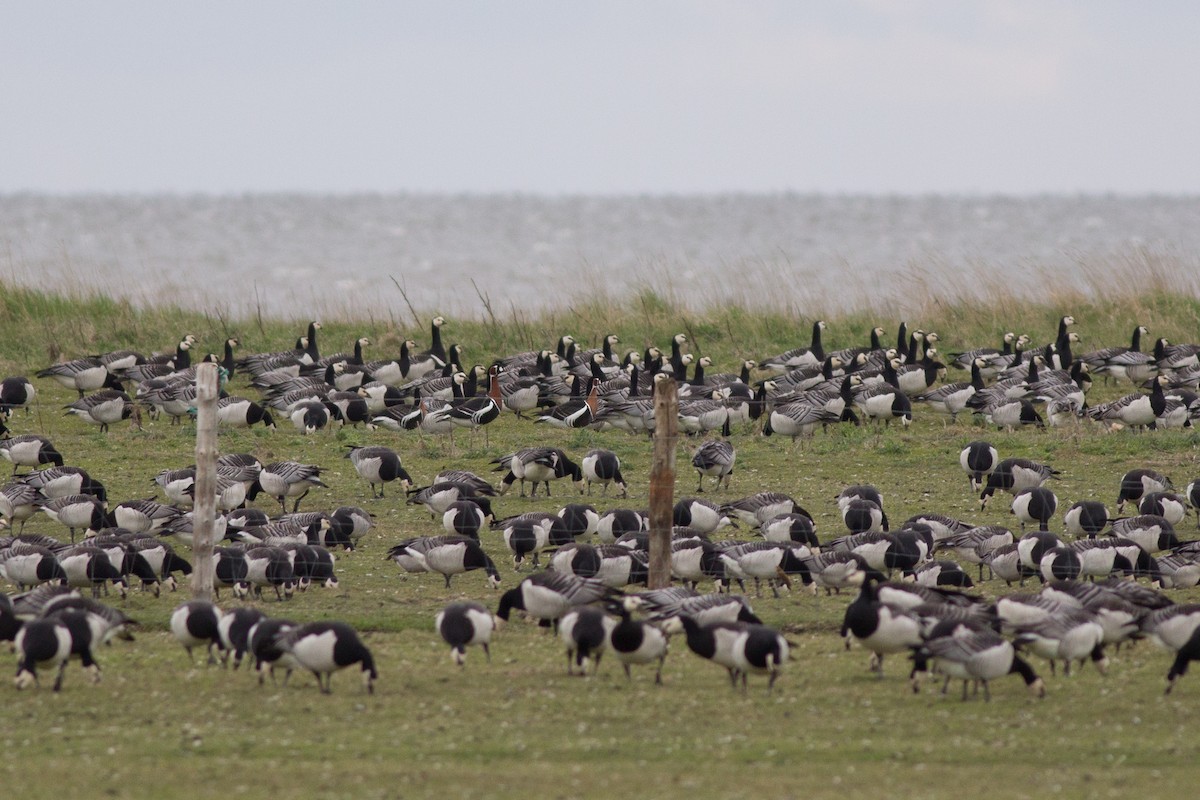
x,y
910,598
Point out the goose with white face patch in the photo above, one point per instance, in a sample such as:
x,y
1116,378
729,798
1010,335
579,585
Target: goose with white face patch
x,y
1176,628
792,528
284,479
378,465
323,648
42,642
462,625
234,631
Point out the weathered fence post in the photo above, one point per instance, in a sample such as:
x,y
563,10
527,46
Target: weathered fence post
x,y
204,507
662,482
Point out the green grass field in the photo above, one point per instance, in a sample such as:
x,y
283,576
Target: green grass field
x,y
519,726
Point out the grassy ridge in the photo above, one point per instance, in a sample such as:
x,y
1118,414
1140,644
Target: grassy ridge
x,y
519,726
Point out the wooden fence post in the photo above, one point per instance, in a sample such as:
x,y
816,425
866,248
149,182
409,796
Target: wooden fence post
x,y
205,505
662,482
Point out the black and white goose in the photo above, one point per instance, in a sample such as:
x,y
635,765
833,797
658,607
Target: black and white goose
x,y
975,545
603,467
323,648
795,528
616,522
978,460
17,392
584,631
284,479
378,465
26,564
90,568
468,516
758,508
234,631
539,465
76,511
1168,505
1133,410
548,596
439,496
42,641
1152,533
952,398
196,623
1085,518
879,627
800,356
978,656
706,517
715,459
524,538
636,642
462,625
29,450
1137,483
267,655
241,412
445,555
102,408
1176,628
677,601
1067,636
1014,475
1038,504
83,374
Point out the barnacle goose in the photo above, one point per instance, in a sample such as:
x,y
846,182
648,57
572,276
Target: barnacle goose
x,y
463,624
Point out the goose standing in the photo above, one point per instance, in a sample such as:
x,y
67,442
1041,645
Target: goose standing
x,y
30,450
323,648
585,633
378,464
195,623
714,458
603,467
463,624
978,460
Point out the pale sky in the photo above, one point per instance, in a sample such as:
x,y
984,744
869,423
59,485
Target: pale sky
x,y
843,96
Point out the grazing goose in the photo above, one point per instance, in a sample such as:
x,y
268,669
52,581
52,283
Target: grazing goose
x,y
878,626
48,641
267,656
323,648
539,465
580,519
635,642
102,408
446,555
195,623
706,517
1168,505
615,523
585,633
234,630
378,465
1038,504
978,460
269,566
26,564
1014,475
791,528
524,537
799,418
714,458
240,412
75,511
438,497
548,596
1152,533
758,508
715,641
1137,483
1193,495
29,450
1067,636
463,624
1175,628
603,467
979,656
1085,518
90,567
677,601
17,392
83,374
760,650
284,479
